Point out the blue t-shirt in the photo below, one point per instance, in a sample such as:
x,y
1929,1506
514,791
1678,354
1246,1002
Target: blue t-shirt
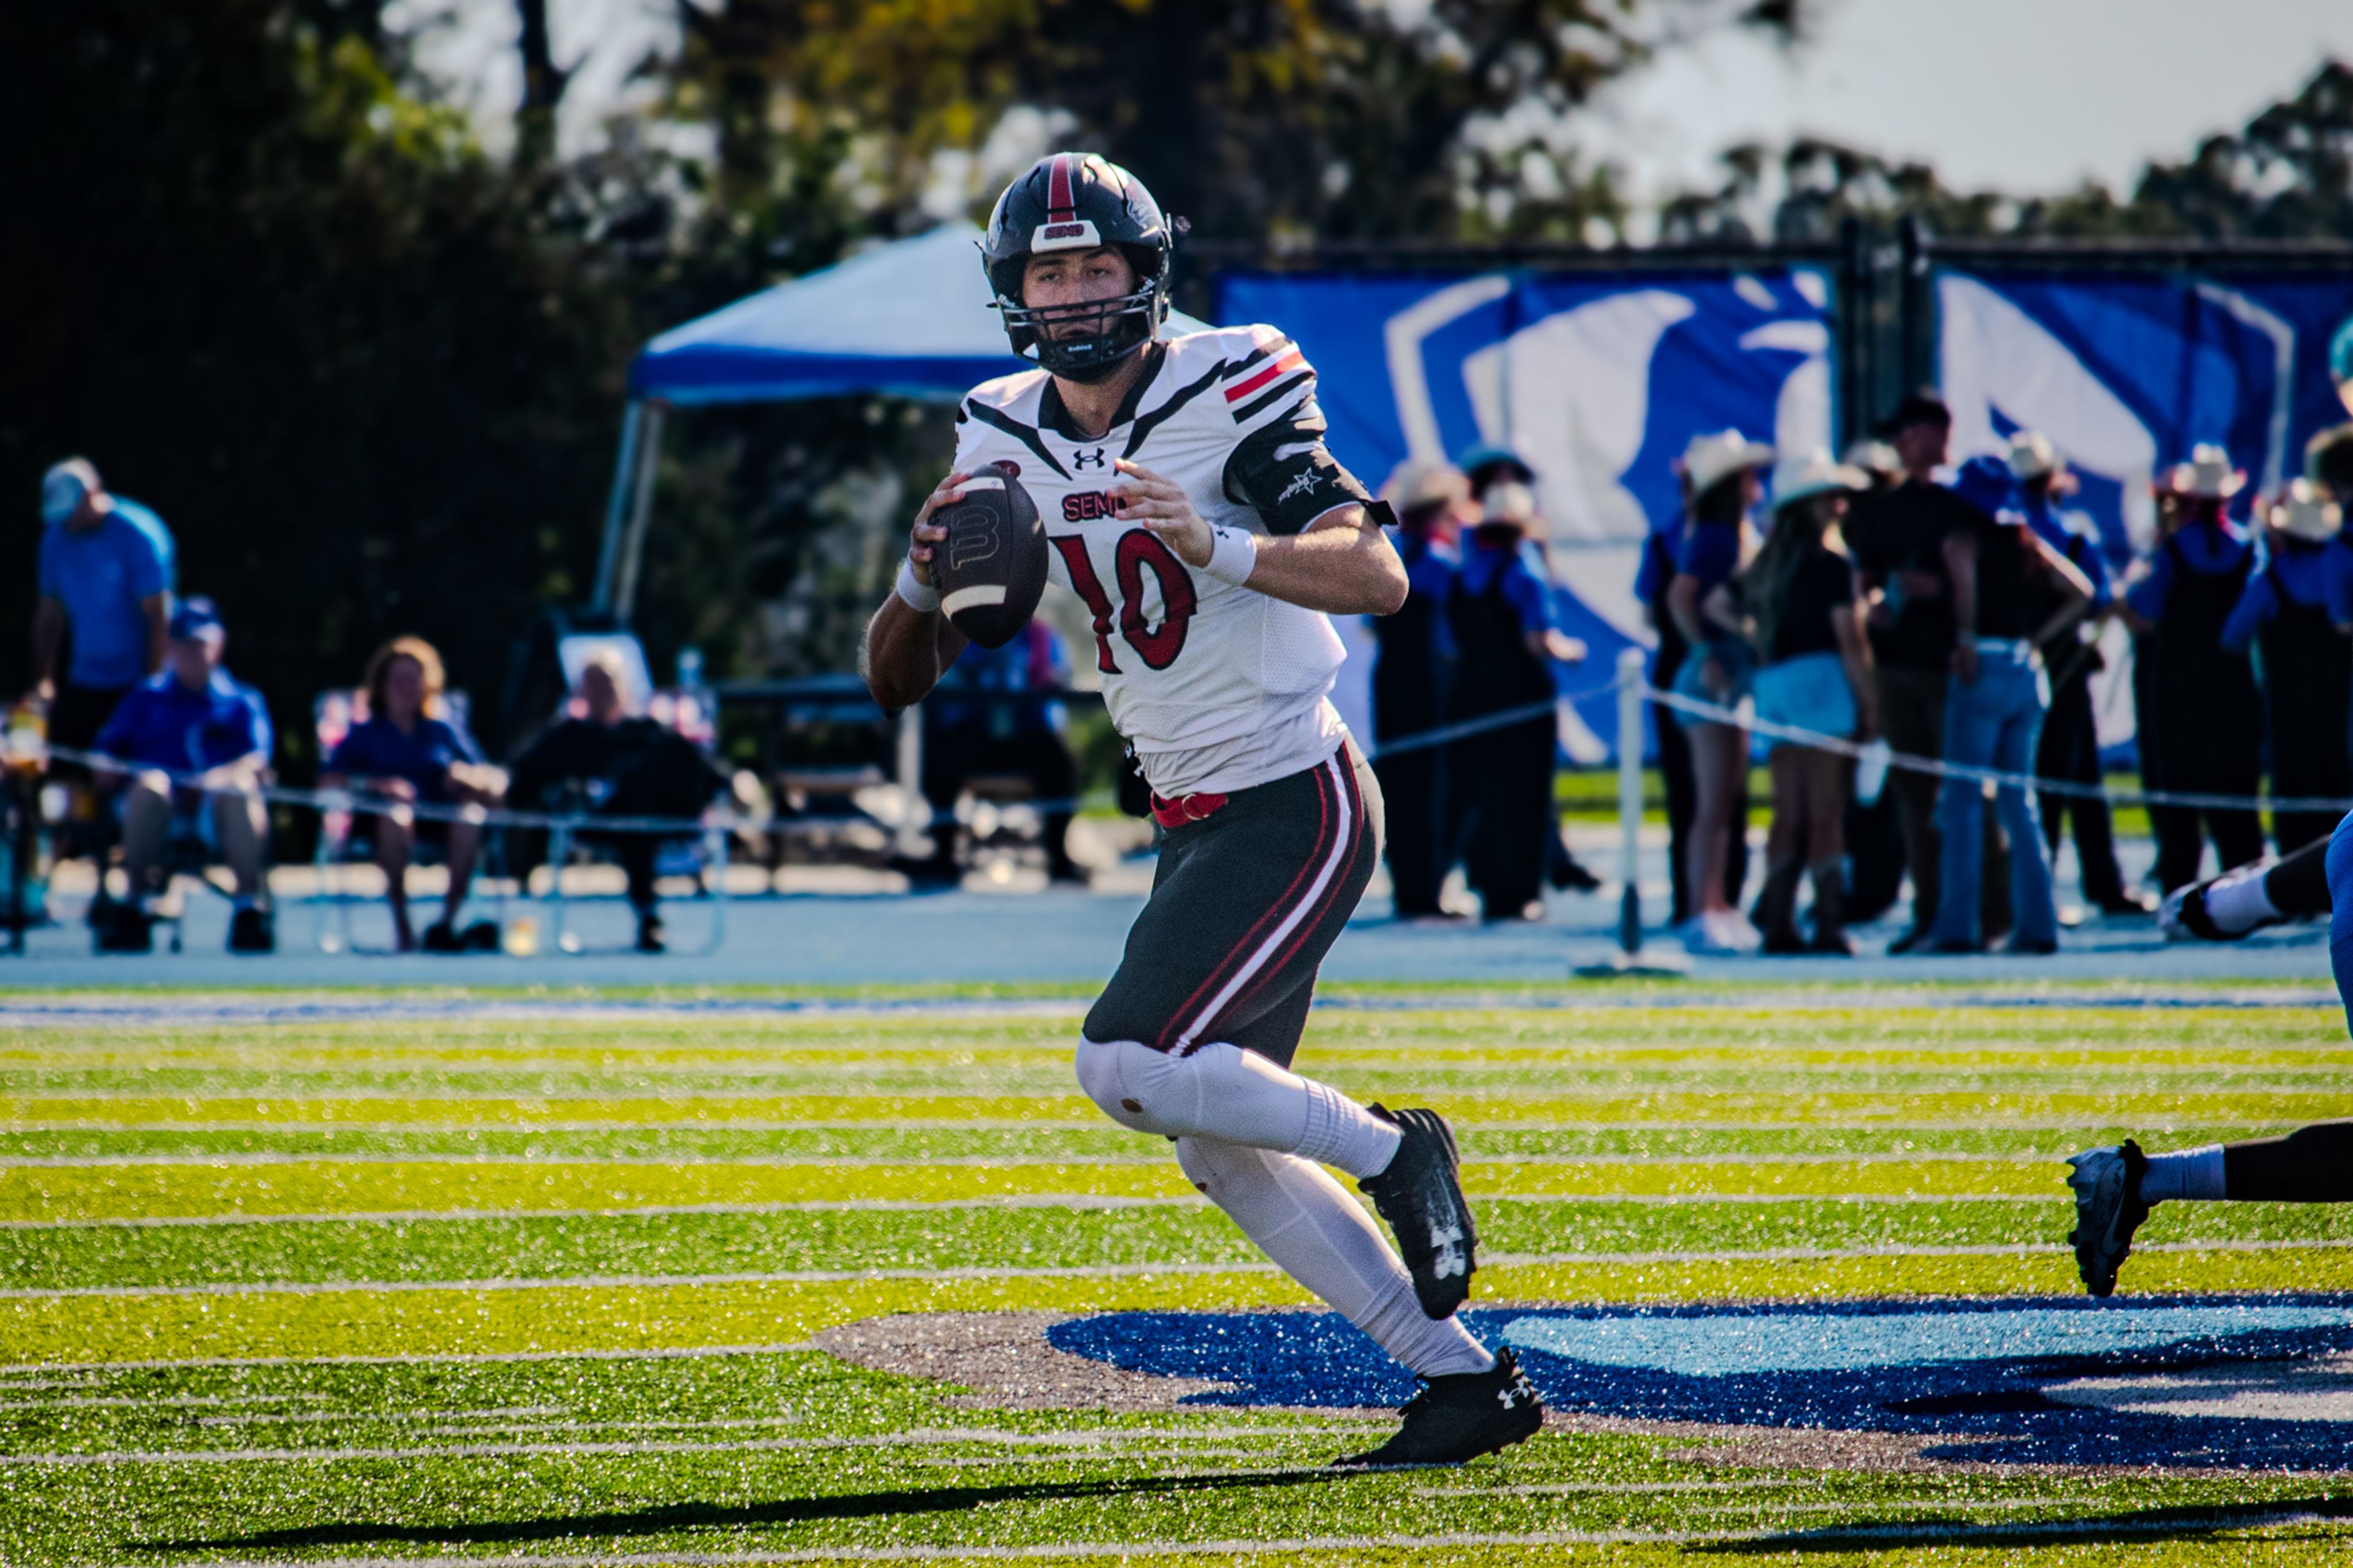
x,y
2077,538
162,724
2299,569
1661,550
377,749
2209,548
1482,563
99,575
167,549
1711,553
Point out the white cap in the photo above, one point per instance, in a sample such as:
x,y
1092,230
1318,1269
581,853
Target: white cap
x,y
1873,457
2211,476
1711,458
1512,504
1417,483
1813,475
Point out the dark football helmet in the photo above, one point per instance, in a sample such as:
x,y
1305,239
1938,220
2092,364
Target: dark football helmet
x,y
1076,201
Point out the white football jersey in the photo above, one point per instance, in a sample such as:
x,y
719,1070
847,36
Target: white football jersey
x,y
1217,687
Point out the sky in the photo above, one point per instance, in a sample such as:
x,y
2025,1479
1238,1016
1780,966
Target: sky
x,y
2025,95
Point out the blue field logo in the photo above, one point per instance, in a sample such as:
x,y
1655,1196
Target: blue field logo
x,y
2223,1382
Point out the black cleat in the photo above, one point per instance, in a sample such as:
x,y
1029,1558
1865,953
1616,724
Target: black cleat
x,y
2107,1210
1456,1419
252,930
1420,1195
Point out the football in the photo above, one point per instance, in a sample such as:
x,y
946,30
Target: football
x,y
991,568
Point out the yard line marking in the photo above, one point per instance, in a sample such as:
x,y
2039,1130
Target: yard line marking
x,y
975,1161
1071,1201
2148,1122
836,1206
94,1371
387,1416
1112,1442
181,1401
1096,1271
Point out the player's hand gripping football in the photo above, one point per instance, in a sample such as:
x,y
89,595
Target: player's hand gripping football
x,y
926,534
1161,506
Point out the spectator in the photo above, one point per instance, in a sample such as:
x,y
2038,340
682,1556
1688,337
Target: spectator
x,y
2307,662
1433,505
2000,570
1898,543
1875,833
1499,614
105,572
2209,726
194,720
622,766
1660,551
1719,472
2069,750
969,739
407,753
1814,674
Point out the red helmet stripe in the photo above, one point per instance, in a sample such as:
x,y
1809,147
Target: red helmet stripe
x,y
1060,201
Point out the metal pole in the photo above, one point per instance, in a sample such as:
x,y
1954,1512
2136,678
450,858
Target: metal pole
x,y
616,504
1630,798
633,548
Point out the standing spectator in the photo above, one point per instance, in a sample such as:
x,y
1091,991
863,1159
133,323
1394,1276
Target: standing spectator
x,y
2328,466
1660,551
966,735
105,572
406,752
622,765
1875,833
1815,673
1720,474
1898,543
2208,716
2069,750
194,720
1500,618
2001,572
2307,662
1432,502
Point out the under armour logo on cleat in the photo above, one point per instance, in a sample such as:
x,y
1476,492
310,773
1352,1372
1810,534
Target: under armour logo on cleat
x,y
1447,1242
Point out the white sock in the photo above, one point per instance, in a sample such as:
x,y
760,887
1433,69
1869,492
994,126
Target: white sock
x,y
2236,901
2193,1174
1308,1225
1224,1092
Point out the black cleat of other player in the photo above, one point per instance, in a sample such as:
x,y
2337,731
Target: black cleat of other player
x,y
1456,1419
1420,1195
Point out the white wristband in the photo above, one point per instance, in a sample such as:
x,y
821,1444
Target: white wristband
x,y
1232,555
915,596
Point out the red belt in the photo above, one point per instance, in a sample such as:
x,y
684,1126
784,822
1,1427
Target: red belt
x,y
1185,808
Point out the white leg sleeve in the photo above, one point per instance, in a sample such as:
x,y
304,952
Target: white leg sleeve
x,y
1318,1234
1225,1092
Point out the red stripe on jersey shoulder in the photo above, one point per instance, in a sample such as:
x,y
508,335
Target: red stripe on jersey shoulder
x,y
1290,360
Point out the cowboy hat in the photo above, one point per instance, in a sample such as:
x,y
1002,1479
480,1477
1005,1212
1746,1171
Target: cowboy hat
x,y
1417,483
2212,476
1874,458
2032,456
2304,511
1511,504
1814,475
1711,458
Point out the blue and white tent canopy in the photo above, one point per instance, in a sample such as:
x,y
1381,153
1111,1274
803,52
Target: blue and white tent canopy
x,y
909,320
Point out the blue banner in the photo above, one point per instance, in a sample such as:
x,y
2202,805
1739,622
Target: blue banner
x,y
1596,381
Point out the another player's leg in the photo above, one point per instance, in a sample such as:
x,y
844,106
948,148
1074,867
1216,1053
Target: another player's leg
x,y
2248,898
2115,1188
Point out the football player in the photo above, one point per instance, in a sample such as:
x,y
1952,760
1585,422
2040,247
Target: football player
x,y
1191,503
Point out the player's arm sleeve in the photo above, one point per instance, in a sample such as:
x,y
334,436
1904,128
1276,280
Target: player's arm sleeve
x,y
1282,471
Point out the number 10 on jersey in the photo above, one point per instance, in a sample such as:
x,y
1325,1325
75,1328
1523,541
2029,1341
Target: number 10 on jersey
x,y
1139,550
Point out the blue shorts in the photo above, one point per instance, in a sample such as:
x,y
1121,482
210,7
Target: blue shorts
x,y
1808,692
1739,663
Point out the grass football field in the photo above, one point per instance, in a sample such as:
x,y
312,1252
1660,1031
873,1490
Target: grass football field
x,y
388,1286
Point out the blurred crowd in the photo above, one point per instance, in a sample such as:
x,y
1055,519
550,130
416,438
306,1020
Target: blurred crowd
x,y
136,678
1958,614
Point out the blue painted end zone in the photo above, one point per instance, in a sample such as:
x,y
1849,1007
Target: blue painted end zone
x,y
2229,1382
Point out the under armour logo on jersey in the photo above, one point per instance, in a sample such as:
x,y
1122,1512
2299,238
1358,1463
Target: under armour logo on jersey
x,y
1305,482
1446,1240
1095,460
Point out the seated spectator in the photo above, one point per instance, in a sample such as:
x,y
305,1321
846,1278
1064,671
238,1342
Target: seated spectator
x,y
968,738
194,720
407,753
624,766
